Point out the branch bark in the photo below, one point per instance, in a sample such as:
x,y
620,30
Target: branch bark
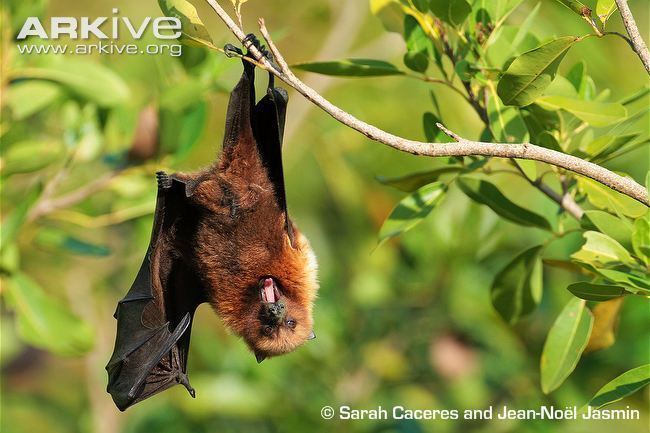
x,y
462,146
638,44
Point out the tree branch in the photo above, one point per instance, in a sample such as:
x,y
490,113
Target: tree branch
x,y
462,147
638,44
48,204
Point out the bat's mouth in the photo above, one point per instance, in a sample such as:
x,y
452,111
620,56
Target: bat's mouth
x,y
269,292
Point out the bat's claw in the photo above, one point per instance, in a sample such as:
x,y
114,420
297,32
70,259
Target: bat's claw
x,y
256,43
164,180
231,51
184,380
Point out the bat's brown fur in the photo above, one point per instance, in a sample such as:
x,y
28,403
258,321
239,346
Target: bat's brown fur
x,y
242,238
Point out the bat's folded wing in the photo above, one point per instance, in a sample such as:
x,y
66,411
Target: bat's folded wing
x,y
155,317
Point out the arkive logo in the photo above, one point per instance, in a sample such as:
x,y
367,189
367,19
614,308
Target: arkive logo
x,y
101,27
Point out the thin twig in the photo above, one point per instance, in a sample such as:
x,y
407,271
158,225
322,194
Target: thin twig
x,y
564,200
48,204
622,36
638,45
462,147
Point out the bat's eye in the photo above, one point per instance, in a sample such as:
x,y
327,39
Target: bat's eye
x,y
268,330
291,323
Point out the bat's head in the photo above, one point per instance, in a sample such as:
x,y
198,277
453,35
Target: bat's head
x,y
283,309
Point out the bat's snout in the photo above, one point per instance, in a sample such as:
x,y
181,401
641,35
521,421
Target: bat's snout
x,y
274,312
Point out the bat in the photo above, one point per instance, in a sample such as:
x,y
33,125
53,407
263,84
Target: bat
x,y
221,236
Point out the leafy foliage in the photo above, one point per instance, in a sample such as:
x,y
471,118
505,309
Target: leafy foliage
x,y
519,97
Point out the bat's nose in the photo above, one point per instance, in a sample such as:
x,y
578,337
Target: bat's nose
x,y
275,311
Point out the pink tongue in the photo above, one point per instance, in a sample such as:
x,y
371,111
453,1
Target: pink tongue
x,y
269,293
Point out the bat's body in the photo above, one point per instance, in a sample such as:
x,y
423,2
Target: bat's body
x,y
221,236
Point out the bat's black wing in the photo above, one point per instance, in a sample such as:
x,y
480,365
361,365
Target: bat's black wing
x,y
268,128
154,319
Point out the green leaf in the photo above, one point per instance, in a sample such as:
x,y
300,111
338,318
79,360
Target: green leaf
x,y
627,383
564,344
453,12
13,222
44,322
414,36
414,181
529,167
523,31
596,292
577,74
605,9
539,122
517,288
9,258
506,123
499,10
89,80
587,91
576,7
194,31
29,156
605,145
486,193
641,239
606,198
418,62
507,42
390,13
641,93
623,150
351,68
191,128
432,133
618,229
561,86
529,74
54,238
596,114
29,97
633,283
411,210
602,251
548,140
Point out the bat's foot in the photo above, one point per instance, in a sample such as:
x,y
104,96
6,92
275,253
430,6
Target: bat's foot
x,y
164,180
231,51
256,43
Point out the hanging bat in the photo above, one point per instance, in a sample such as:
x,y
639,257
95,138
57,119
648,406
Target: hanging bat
x,y
221,236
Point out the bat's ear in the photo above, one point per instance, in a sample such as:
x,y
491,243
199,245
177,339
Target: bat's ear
x,y
311,335
259,356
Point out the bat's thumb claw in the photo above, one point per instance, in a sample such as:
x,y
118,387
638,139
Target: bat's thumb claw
x,y
164,180
184,380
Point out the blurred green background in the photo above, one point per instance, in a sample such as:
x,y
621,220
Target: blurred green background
x,y
407,323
